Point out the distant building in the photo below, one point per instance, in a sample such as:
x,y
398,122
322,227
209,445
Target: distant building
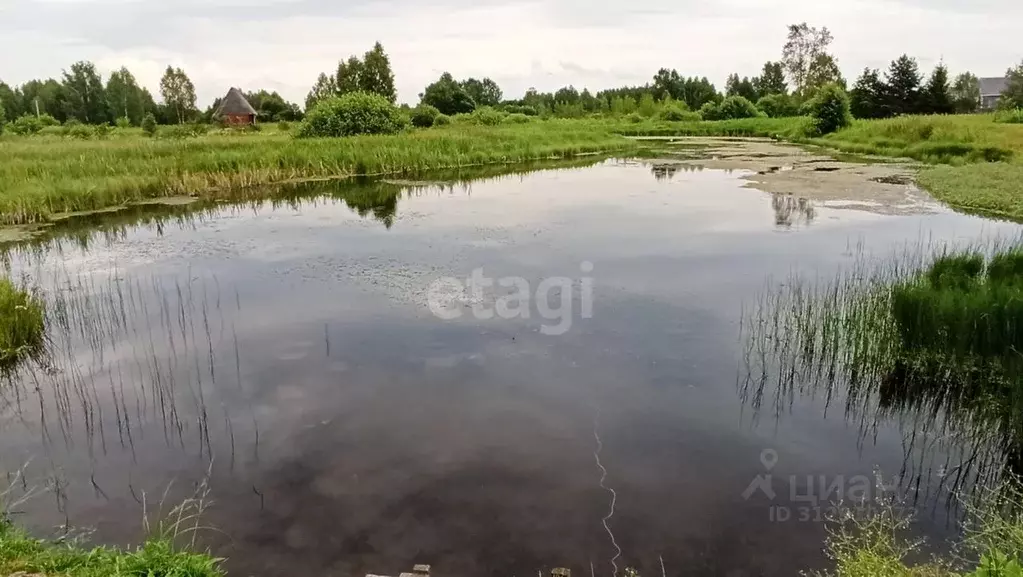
x,y
235,109
991,92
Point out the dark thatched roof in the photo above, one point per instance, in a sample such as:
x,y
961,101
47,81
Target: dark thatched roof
x,y
235,103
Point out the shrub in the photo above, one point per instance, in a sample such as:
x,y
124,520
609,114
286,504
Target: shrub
x,y
423,115
1014,116
124,122
47,120
520,109
830,109
75,129
442,120
677,113
778,106
709,111
351,114
517,118
284,126
192,130
485,116
102,130
736,107
26,125
149,124
22,324
635,118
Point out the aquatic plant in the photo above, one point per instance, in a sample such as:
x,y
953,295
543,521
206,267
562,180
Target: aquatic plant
x,y
935,337
22,324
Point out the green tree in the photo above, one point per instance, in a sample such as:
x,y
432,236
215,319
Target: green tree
x,y
124,96
484,92
771,80
937,95
903,86
743,87
325,87
10,100
448,96
178,94
965,93
85,97
348,78
823,70
867,98
149,124
1012,96
376,76
804,47
272,107
43,97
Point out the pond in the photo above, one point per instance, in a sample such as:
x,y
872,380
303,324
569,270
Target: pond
x,y
322,368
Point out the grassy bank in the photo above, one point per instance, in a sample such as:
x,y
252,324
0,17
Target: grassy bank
x,y
22,554
977,164
44,175
974,163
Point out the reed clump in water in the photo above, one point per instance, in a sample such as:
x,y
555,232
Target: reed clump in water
x,y
22,324
961,321
930,343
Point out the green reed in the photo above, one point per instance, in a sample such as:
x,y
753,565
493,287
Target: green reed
x,y
22,324
928,339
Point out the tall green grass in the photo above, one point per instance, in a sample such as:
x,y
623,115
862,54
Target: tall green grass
x,y
41,176
22,325
933,139
162,554
929,341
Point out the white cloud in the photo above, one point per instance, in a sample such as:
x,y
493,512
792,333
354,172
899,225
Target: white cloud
x,y
284,44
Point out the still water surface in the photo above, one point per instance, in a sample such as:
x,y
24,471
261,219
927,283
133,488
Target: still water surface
x,y
285,353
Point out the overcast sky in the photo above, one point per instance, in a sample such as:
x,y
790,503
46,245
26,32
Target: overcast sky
x,y
284,44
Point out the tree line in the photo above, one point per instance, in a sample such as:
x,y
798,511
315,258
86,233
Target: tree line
x,y
82,95
781,88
